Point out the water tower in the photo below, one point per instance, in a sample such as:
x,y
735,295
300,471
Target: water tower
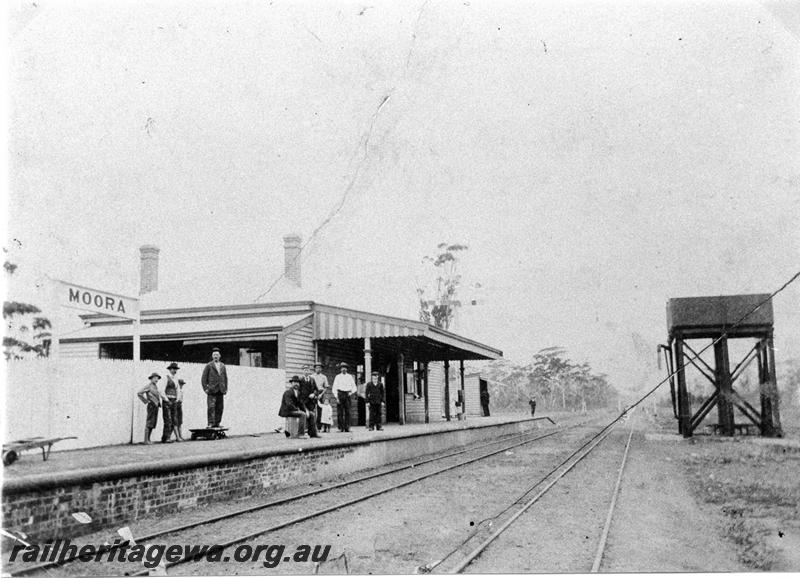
x,y
721,319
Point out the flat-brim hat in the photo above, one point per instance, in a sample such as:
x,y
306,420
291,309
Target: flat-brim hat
x,y
173,365
294,379
344,364
154,374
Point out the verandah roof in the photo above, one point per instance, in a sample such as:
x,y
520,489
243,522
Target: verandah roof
x,y
339,323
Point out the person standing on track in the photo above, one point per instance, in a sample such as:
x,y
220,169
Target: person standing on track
x,y
532,403
343,387
375,397
215,384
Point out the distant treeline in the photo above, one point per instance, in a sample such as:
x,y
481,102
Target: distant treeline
x,y
556,382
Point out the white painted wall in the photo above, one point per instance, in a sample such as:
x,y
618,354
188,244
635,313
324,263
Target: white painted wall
x,y
94,399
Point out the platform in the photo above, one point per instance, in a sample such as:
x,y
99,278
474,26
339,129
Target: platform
x,y
116,484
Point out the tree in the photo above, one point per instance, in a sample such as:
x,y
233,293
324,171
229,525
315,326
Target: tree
x,y
551,377
27,333
440,309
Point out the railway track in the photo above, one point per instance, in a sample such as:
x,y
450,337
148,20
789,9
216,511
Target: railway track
x,y
460,559
407,473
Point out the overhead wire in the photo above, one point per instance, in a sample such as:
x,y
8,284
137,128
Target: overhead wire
x,y
609,425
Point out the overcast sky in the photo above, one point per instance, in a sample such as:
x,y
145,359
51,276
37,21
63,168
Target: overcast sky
x,y
597,158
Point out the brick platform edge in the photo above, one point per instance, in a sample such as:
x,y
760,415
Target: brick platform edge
x,y
42,506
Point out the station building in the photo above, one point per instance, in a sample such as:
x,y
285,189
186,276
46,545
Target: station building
x,y
422,366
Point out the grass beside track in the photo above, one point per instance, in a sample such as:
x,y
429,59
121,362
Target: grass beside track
x,y
757,489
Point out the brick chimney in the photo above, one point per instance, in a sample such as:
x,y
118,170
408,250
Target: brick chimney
x,y
148,269
291,258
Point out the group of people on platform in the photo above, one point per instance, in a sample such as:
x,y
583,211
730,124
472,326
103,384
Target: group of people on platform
x,y
170,398
308,399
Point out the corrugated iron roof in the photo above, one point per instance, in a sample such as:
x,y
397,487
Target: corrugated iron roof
x,y
340,323
185,328
348,325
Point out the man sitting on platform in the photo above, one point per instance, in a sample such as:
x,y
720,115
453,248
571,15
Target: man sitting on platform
x,y
290,405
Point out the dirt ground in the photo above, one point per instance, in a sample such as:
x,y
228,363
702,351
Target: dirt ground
x,y
751,487
661,524
656,526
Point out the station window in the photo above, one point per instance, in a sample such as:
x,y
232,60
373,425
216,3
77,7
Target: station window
x,y
420,373
250,357
414,375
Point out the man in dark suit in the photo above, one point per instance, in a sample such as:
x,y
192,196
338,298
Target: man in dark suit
x,y
291,406
215,384
309,395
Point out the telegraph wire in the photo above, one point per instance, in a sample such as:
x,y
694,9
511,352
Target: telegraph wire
x,y
429,568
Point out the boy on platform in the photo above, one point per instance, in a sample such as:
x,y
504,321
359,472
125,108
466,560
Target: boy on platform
x,y
375,397
151,397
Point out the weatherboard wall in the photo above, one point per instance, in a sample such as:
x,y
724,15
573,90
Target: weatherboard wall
x,y
299,348
81,350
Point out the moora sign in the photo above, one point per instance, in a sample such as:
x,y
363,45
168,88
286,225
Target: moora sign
x,y
98,301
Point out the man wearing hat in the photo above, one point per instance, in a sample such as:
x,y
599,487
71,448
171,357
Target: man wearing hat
x,y
290,404
322,387
171,404
215,384
308,398
343,387
375,396
151,397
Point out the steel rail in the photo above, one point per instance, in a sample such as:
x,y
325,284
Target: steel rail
x,y
280,501
601,546
350,502
466,561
